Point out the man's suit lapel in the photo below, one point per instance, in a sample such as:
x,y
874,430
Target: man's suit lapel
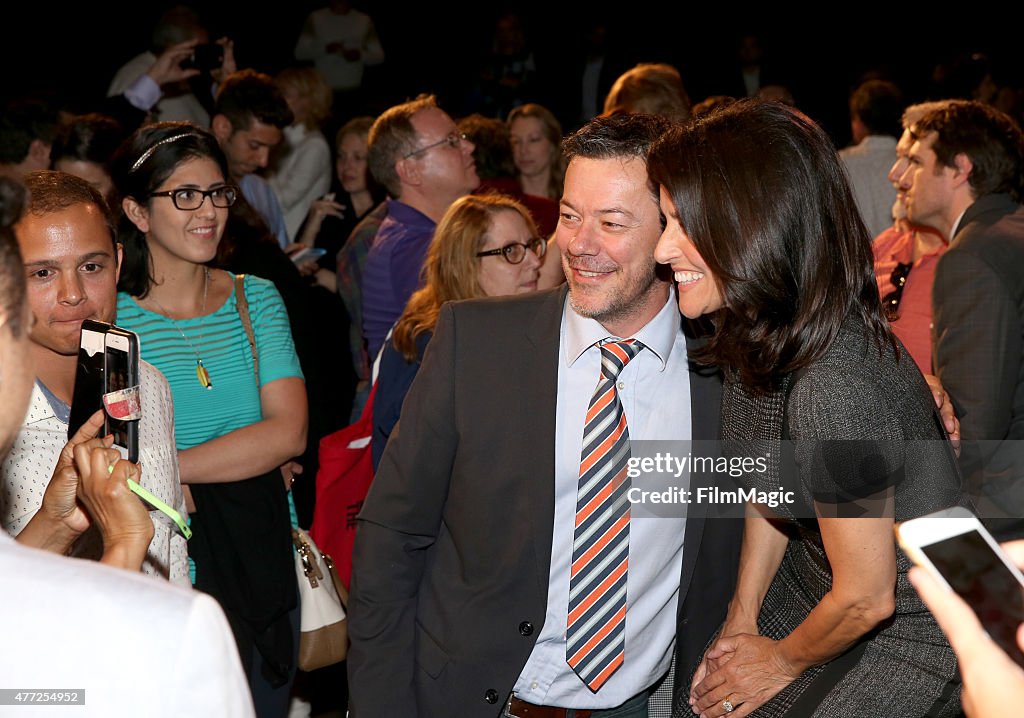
x,y
538,369
999,204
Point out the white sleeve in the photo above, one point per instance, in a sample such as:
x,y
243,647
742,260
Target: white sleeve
x,y
179,570
309,46
306,177
207,679
373,52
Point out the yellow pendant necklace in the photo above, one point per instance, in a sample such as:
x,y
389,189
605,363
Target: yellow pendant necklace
x,y
202,374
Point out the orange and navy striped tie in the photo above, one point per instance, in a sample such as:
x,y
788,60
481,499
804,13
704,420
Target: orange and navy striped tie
x,y
596,626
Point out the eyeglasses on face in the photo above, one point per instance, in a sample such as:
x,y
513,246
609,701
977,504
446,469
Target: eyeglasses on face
x,y
898,279
190,198
452,139
516,252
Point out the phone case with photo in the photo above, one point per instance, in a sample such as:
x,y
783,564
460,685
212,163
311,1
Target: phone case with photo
x,y
122,373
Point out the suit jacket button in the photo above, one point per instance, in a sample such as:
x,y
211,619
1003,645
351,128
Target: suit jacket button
x,y
491,696
526,628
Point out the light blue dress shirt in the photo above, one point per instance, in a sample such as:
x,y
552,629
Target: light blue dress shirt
x,y
655,392
260,195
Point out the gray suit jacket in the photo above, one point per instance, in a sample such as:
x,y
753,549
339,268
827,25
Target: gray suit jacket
x,y
978,300
453,548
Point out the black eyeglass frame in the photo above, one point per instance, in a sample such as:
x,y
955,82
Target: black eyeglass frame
x,y
227,191
537,245
452,139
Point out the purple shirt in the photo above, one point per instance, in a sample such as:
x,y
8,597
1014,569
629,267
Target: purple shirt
x,y
392,271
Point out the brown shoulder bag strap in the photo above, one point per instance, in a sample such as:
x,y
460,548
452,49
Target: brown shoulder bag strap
x,y
243,311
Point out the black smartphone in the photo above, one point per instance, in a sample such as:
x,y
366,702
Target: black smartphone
x,y
90,380
957,549
206,58
121,395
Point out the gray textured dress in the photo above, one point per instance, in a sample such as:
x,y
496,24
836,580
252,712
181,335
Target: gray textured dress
x,y
858,422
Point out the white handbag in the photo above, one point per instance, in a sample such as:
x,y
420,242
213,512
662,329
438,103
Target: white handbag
x,y
323,638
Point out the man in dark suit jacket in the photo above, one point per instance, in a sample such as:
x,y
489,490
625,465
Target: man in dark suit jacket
x,y
457,597
964,179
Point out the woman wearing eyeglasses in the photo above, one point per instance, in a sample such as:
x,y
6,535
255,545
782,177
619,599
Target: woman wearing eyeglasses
x,y
484,246
234,428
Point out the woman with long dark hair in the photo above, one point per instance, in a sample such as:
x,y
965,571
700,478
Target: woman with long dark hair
x,y
240,400
764,238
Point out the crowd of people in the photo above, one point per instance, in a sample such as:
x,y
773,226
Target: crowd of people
x,y
545,300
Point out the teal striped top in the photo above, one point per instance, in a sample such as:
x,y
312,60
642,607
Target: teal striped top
x,y
233,401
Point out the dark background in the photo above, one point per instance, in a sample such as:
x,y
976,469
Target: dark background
x,y
74,49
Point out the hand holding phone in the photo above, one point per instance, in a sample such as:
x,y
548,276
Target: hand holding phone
x,y
993,683
206,57
121,519
958,552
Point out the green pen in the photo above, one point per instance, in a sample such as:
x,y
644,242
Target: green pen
x,y
160,506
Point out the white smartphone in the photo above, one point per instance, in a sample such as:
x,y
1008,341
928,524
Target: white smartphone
x,y
957,549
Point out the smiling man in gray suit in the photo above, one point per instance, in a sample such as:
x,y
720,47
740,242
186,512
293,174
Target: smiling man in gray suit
x,y
497,569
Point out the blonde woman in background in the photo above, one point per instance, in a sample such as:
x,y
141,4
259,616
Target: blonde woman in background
x,y
536,140
353,194
484,246
302,170
653,88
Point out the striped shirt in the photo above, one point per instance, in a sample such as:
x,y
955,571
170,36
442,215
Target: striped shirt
x,y
220,341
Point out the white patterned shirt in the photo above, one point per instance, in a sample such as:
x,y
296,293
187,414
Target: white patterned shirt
x,y
29,466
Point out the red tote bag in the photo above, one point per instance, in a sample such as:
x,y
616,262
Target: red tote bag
x,y
344,476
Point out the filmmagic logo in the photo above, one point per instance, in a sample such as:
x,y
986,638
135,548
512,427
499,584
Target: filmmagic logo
x,y
711,495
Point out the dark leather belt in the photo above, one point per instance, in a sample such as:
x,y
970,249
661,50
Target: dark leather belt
x,y
518,708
